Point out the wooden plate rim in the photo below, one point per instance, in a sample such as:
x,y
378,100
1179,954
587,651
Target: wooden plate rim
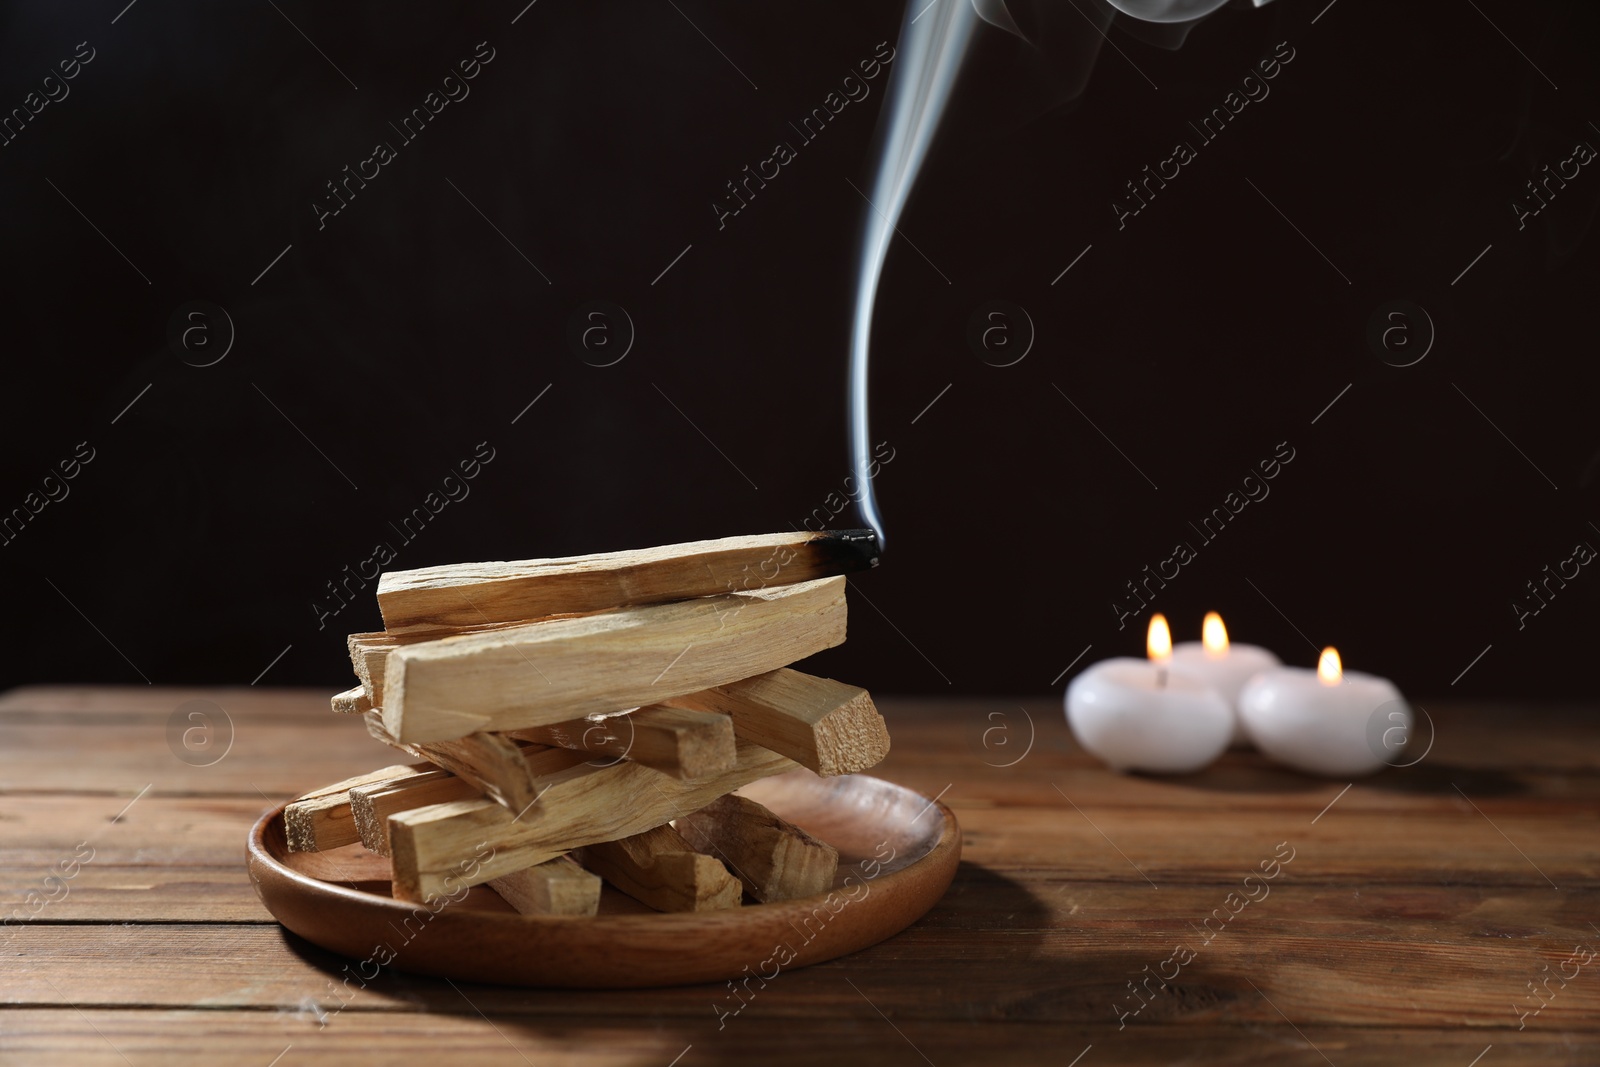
x,y
896,899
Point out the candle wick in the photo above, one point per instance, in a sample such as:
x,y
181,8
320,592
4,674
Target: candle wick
x,y
1161,677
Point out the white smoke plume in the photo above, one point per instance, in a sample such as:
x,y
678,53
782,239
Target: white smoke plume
x,y
934,40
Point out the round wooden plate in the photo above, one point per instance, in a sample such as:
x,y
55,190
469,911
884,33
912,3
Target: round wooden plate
x,y
898,851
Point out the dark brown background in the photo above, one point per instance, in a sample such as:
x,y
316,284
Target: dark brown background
x,y
1196,339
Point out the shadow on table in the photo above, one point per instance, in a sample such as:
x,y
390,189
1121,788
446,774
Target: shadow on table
x,y
1430,778
1251,772
1246,772
974,956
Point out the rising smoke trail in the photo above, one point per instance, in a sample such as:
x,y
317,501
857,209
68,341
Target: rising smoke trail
x,y
927,61
932,44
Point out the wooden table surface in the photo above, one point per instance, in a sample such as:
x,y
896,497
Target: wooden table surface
x,y
1405,922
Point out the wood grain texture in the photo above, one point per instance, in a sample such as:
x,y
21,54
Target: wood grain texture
x,y
370,808
622,1037
111,1037
447,598
1405,929
548,672
1365,957
825,725
371,805
577,806
774,859
321,818
353,701
368,651
676,741
554,887
661,870
497,766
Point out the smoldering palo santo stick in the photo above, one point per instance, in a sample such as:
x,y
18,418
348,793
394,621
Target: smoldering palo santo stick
x,y
461,596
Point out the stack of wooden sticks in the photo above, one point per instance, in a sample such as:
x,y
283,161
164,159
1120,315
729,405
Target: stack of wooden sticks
x,y
589,719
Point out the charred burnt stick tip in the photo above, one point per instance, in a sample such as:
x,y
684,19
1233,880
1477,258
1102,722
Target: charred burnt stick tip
x,y
844,551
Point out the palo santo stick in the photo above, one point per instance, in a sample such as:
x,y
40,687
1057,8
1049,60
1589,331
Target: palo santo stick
x,y
367,652
659,869
677,741
554,887
776,860
825,725
547,672
498,766
352,702
322,820
576,807
444,599
371,805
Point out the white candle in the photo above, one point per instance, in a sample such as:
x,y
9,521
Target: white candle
x,y
1139,715
1320,721
1226,667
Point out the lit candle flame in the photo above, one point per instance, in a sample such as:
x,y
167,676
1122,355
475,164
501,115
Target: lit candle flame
x,y
1158,643
1214,636
1329,669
